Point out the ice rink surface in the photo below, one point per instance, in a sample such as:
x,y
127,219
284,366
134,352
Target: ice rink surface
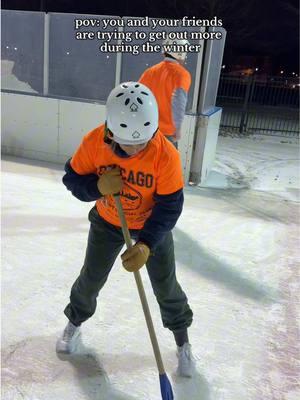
x,y
237,258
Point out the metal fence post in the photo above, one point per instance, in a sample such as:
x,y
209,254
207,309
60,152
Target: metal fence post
x,y
245,105
46,54
119,62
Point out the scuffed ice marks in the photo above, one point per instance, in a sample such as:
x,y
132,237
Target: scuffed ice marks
x,y
30,361
31,370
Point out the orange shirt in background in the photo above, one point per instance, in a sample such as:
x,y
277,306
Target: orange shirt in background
x,y
163,79
156,169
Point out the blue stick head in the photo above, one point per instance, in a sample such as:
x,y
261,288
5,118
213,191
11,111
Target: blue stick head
x,y
165,388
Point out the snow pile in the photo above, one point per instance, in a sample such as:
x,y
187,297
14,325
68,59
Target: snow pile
x,y
261,163
10,81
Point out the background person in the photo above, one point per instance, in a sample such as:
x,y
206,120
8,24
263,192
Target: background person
x,y
170,82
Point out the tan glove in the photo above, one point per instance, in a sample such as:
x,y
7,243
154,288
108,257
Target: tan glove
x,y
134,258
110,182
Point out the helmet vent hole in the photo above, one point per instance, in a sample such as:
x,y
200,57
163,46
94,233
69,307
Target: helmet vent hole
x,y
125,86
123,125
136,85
145,93
139,100
147,123
127,101
132,91
120,94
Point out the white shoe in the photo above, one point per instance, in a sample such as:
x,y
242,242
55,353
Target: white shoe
x,y
69,339
185,361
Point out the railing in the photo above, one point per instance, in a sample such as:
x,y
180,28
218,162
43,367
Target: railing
x,y
260,104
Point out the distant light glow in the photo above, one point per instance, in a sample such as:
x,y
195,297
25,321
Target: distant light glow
x,y
15,48
256,69
281,72
68,52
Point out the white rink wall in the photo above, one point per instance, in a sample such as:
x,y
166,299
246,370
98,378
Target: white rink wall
x,y
46,129
50,129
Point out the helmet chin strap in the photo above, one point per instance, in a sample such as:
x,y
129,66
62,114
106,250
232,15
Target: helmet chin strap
x,y
108,135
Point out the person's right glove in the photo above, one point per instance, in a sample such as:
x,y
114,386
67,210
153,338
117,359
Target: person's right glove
x,y
110,182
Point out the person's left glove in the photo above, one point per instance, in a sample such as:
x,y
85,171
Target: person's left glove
x,y
133,259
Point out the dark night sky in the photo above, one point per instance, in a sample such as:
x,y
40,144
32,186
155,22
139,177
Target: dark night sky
x,y
254,27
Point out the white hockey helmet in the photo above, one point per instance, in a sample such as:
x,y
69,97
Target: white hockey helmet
x,y
131,113
180,56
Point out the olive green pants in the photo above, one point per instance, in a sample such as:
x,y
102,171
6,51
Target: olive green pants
x,y
105,242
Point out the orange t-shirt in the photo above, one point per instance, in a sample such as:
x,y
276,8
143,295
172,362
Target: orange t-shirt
x,y
156,169
163,79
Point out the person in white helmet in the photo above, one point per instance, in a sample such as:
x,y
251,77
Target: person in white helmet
x,y
129,155
170,82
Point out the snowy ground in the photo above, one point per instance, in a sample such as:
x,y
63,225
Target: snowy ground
x,y
262,163
10,81
237,259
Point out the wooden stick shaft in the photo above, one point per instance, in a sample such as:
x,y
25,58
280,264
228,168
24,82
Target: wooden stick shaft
x,y
141,290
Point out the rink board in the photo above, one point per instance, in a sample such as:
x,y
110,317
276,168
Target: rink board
x,y
50,129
